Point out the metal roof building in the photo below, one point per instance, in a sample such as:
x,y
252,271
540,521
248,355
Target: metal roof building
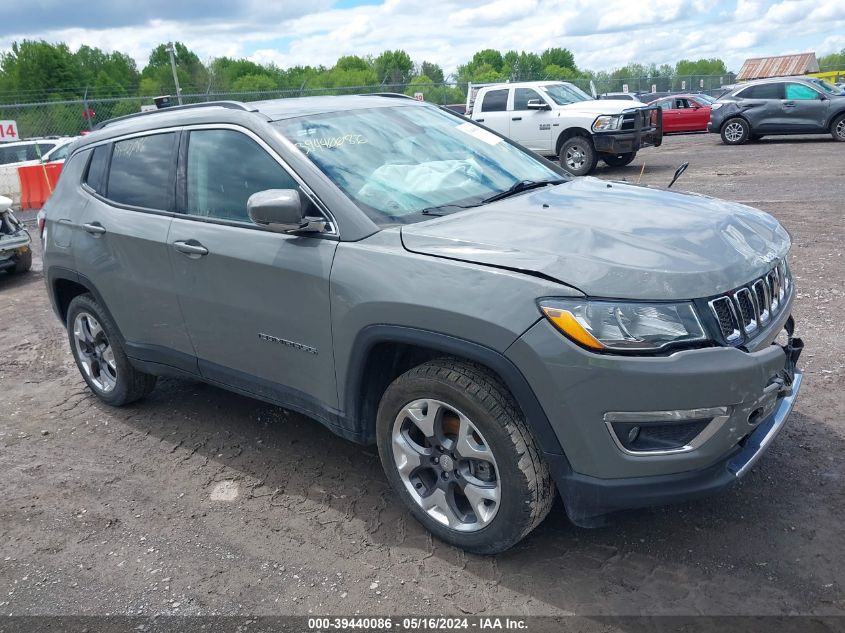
x,y
782,66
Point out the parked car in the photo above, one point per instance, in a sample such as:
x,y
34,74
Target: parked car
x,y
684,113
620,96
557,119
777,106
459,108
15,243
34,151
410,279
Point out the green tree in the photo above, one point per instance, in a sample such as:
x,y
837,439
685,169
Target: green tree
x,y
393,67
254,83
561,57
37,70
485,66
522,66
192,73
834,61
431,71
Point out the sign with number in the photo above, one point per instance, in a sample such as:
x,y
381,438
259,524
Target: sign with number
x,y
9,131
683,85
419,96
654,88
625,88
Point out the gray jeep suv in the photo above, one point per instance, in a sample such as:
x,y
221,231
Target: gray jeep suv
x,y
791,105
411,279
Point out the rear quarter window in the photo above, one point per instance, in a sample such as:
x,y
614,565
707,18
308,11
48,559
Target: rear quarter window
x,y
95,176
495,101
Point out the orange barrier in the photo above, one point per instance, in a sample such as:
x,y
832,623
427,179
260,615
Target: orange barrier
x,y
37,183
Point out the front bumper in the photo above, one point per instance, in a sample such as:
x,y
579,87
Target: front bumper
x,y
647,132
576,388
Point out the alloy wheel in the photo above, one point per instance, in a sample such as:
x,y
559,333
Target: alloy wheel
x,y
734,132
446,465
840,129
94,352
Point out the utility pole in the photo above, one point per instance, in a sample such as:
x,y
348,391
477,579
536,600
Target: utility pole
x,y
172,50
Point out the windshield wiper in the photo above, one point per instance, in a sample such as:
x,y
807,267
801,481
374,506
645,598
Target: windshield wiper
x,y
438,211
519,187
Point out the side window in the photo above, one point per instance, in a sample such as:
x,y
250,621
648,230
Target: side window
x,y
61,153
761,91
37,150
142,171
800,92
495,101
95,177
666,104
522,96
225,168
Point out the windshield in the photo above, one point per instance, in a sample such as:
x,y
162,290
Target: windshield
x,y
564,94
828,88
706,99
401,164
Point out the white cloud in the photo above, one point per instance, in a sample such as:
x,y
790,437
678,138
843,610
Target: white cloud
x,y
603,34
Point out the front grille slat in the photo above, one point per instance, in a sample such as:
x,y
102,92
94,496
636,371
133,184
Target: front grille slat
x,y
747,309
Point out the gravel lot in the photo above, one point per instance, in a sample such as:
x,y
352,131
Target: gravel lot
x,y
197,501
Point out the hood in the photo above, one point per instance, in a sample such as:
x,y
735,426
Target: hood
x,y
600,106
612,239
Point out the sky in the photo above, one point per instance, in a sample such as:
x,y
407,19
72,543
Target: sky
x,y
603,34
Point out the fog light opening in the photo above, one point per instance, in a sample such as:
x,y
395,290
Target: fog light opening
x,y
755,417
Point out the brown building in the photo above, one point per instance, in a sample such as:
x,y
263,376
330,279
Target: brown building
x,y
781,66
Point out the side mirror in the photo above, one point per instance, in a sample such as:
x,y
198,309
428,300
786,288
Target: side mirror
x,y
537,104
282,211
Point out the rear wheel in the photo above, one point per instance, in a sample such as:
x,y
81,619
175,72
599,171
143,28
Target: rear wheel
x,y
458,453
735,131
578,156
24,262
99,354
837,128
619,160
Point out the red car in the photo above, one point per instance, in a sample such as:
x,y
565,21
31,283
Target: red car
x,y
684,113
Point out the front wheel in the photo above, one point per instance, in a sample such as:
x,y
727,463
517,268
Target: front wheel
x,y
578,156
619,160
837,128
735,131
458,453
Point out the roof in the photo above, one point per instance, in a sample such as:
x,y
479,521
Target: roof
x,y
782,66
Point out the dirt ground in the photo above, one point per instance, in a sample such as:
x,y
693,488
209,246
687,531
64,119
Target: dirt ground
x,y
197,501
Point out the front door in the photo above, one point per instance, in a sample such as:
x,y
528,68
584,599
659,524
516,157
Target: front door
x,y
531,128
256,302
804,108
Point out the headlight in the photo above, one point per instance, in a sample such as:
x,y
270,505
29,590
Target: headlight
x,y
716,106
624,326
607,123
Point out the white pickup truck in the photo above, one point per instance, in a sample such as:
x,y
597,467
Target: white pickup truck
x,y
556,118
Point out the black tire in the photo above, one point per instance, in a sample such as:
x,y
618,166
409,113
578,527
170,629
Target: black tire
x,y
619,160
735,131
837,128
23,263
578,156
526,488
130,384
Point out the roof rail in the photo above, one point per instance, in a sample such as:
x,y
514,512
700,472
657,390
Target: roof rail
x,y
392,95
232,105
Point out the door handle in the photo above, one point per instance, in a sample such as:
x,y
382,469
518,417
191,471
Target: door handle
x,y
788,104
516,118
94,228
190,249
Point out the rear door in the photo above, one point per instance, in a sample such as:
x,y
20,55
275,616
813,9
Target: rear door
x,y
761,105
493,111
120,243
531,128
805,108
256,302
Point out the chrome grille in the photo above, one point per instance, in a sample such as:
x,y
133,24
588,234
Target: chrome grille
x,y
744,310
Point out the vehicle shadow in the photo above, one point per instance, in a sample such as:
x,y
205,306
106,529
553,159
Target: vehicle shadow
x,y
661,560
10,281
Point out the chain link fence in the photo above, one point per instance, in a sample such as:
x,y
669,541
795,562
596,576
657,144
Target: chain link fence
x,y
70,117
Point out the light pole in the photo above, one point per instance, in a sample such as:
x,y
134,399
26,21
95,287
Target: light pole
x,y
172,50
